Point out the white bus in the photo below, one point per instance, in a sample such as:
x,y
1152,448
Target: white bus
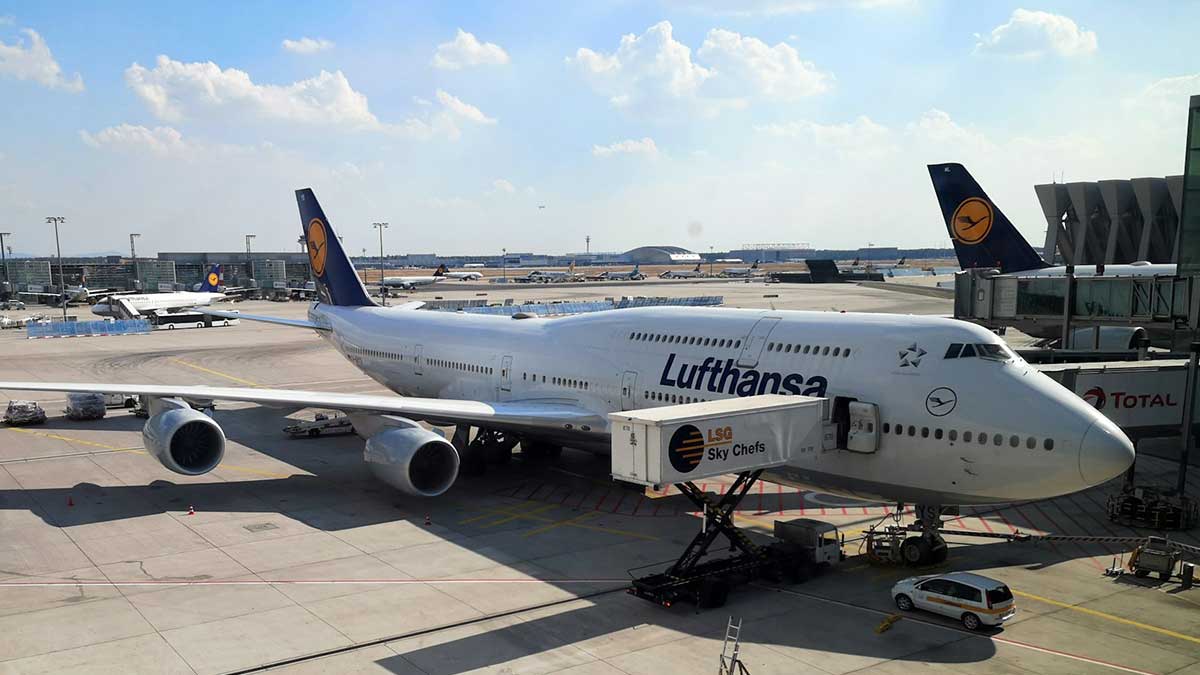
x,y
163,320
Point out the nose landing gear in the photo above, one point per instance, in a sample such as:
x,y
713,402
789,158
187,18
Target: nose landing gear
x,y
895,544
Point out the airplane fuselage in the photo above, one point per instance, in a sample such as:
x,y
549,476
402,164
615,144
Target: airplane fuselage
x,y
953,430
149,302
1122,270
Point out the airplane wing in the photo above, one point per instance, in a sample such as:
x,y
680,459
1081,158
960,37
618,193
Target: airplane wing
x,y
516,415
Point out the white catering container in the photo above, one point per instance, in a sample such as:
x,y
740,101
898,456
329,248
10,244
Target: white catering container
x,y
673,444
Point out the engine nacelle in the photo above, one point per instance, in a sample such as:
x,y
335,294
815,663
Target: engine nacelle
x,y
186,441
414,460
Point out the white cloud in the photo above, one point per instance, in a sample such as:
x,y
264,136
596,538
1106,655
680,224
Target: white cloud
x,y
35,63
501,185
159,141
174,90
466,50
1032,34
655,71
7,20
307,45
774,72
936,127
631,146
463,110
860,134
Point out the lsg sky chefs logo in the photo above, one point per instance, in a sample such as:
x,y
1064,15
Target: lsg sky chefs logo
x,y
689,446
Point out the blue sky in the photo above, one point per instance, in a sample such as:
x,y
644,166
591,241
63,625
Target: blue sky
x,y
691,122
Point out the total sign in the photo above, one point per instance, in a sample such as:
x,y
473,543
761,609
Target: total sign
x,y
1135,399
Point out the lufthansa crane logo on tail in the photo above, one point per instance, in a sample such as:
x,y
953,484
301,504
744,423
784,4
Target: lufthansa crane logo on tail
x,y
212,279
316,245
686,448
972,220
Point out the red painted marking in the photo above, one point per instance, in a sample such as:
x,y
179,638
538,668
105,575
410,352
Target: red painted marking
x,y
1005,520
619,502
845,512
657,506
1059,530
822,510
1078,524
1103,524
638,505
602,498
566,494
865,511
587,494
958,519
982,520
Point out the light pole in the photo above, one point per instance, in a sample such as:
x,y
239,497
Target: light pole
x,y
137,278
249,260
3,259
504,263
382,289
710,260
61,279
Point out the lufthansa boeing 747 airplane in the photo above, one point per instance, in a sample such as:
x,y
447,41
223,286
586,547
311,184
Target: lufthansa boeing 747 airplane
x,y
960,418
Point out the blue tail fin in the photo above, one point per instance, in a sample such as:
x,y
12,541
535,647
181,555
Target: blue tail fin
x,y
212,280
337,282
982,236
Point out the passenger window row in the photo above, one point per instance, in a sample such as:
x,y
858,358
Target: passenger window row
x,y
670,398
559,381
687,340
982,438
460,365
813,350
375,353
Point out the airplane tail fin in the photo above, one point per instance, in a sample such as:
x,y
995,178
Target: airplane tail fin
x,y
440,271
212,280
337,282
697,270
982,235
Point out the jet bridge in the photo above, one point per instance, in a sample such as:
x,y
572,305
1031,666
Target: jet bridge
x,y
681,444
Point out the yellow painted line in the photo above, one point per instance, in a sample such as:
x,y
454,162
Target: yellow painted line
x,y
1110,617
613,530
569,521
218,373
509,515
139,451
56,437
532,515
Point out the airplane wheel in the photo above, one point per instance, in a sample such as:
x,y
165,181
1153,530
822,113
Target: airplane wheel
x,y
915,551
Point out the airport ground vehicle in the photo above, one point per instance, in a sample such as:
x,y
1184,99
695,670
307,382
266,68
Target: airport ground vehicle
x,y
1156,555
120,401
10,305
172,320
321,424
973,599
20,413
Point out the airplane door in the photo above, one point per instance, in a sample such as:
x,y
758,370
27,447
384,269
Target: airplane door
x,y
418,360
505,376
864,427
628,390
753,346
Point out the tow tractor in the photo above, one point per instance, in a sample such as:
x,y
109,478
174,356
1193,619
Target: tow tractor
x,y
684,443
320,424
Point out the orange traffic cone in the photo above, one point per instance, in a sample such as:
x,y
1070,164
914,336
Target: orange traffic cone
x,y
427,521
70,502
191,510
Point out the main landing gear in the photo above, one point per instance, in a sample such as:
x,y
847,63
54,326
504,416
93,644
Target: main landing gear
x,y
896,544
488,447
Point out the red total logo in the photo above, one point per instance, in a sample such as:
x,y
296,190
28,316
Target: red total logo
x,y
1128,400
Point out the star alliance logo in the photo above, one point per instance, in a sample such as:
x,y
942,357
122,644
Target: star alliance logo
x,y
911,356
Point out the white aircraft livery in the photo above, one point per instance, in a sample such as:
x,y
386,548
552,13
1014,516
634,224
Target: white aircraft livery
x,y
961,419
130,305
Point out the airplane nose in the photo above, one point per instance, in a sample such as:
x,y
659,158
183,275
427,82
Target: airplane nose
x,y
1105,452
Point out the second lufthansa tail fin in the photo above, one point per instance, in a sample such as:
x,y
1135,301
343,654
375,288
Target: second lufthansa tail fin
x,y
337,282
982,235
212,280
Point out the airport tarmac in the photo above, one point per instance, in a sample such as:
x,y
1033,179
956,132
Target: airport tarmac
x,y
296,559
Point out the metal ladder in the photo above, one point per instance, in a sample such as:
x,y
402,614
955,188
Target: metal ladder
x,y
731,664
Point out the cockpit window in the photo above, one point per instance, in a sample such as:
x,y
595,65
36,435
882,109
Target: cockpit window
x,y
984,350
995,352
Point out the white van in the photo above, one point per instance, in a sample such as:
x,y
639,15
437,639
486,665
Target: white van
x,y
971,598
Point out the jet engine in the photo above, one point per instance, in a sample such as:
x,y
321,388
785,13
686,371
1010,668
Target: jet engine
x,y
412,459
185,440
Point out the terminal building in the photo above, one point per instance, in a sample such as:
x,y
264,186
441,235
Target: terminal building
x,y
1112,221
